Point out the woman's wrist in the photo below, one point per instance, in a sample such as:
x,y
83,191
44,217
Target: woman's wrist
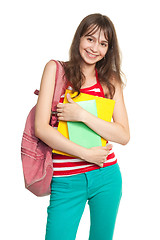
x,y
84,116
83,153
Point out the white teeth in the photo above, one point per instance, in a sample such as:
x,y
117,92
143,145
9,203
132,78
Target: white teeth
x,y
91,54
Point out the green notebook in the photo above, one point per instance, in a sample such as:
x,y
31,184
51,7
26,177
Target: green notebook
x,y
80,133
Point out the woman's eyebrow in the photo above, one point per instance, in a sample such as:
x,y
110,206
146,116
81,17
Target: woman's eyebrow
x,y
90,35
106,41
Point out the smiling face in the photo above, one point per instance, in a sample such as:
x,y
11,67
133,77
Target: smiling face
x,y
93,47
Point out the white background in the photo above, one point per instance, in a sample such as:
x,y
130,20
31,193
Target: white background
x,y
32,33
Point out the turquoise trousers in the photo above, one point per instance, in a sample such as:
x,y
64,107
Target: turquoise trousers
x,y
100,188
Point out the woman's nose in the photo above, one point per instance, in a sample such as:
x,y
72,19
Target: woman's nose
x,y
94,47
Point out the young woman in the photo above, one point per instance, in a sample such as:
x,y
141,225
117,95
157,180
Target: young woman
x,y
94,176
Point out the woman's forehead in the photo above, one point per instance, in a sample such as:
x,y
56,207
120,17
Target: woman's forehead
x,y
94,29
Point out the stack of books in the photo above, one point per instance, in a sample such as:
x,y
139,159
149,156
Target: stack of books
x,y
80,133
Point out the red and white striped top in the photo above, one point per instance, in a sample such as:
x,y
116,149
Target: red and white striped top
x,y
67,166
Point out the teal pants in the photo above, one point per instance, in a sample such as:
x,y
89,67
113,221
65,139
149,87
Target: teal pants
x,y
100,188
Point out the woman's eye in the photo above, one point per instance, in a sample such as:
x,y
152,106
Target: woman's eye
x,y
89,39
104,44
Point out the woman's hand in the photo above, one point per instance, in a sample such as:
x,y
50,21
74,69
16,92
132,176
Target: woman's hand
x,y
97,155
70,111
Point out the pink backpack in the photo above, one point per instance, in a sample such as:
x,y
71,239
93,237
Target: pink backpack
x,y
36,155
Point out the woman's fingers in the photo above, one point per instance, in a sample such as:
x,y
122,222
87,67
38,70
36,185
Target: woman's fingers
x,y
69,98
60,114
60,110
60,106
108,147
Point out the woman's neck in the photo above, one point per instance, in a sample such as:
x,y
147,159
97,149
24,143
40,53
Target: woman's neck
x,y
88,71
90,75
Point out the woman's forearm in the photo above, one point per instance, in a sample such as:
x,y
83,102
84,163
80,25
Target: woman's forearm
x,y
57,141
116,131
110,131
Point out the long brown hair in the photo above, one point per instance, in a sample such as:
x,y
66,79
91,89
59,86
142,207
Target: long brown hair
x,y
108,67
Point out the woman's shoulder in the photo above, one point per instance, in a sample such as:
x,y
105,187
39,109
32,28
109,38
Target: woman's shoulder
x,y
51,65
49,73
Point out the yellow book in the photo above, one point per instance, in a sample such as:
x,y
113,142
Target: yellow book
x,y
105,109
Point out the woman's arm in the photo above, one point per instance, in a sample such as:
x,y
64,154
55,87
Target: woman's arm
x,y
116,131
43,130
50,135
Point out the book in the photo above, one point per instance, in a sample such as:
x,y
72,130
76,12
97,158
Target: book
x,y
80,133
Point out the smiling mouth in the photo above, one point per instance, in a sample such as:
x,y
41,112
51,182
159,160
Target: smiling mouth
x,y
91,55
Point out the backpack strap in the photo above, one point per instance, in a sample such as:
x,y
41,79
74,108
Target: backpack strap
x,y
59,90
60,87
